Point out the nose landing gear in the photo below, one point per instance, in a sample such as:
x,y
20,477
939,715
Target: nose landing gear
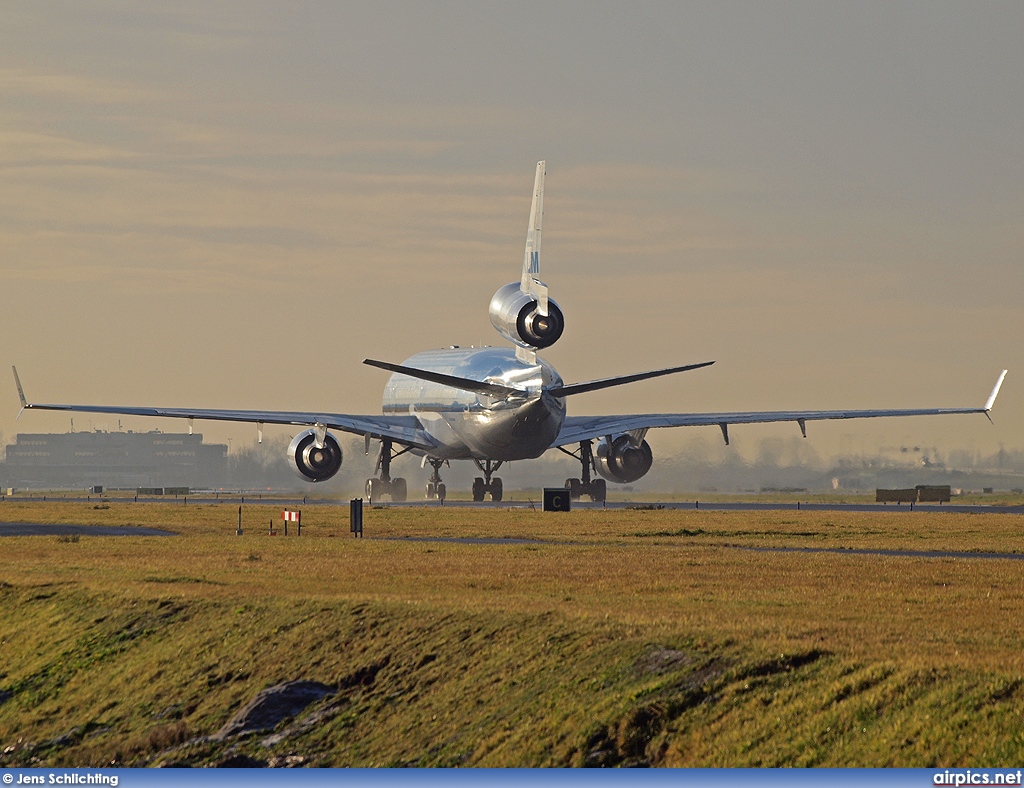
x,y
435,487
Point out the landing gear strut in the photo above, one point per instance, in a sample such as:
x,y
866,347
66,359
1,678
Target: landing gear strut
x,y
482,487
384,484
435,487
596,489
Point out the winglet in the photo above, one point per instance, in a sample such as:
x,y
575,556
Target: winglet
x,y
531,260
21,392
995,391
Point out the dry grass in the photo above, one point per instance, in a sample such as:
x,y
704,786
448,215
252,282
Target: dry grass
x,y
501,654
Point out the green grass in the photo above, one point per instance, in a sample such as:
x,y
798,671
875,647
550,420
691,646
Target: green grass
x,y
626,637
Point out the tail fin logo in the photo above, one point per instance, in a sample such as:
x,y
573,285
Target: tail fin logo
x,y
534,263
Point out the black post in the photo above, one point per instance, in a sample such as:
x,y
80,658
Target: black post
x,y
239,531
355,516
298,526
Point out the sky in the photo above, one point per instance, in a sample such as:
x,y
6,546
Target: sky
x,y
232,204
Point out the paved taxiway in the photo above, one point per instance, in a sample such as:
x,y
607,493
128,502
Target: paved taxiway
x,y
38,529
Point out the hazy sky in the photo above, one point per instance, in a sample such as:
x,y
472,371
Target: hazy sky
x,y
231,205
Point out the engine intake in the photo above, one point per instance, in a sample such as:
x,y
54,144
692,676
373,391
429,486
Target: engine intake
x,y
313,464
516,316
620,461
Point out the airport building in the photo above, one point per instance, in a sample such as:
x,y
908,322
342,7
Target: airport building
x,y
114,460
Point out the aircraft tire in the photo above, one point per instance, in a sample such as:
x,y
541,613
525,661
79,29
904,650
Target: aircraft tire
x,y
496,489
478,489
399,490
431,491
441,492
575,488
374,490
598,490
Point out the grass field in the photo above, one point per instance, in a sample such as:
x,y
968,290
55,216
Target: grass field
x,y
615,638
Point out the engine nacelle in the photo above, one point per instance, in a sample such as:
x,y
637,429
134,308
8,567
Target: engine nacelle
x,y
620,461
313,464
516,317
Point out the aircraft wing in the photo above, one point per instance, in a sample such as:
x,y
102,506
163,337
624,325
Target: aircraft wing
x,y
580,428
406,430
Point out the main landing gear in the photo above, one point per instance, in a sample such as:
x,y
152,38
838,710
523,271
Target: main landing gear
x,y
487,485
384,484
435,487
596,489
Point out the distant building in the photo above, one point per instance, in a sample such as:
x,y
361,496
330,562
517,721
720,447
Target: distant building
x,y
114,459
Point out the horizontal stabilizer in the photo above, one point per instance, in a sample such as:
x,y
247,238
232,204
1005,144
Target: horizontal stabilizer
x,y
466,384
604,383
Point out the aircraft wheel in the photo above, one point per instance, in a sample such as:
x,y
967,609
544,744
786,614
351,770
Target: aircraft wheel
x,y
575,488
496,489
441,492
478,489
598,490
399,490
431,491
375,490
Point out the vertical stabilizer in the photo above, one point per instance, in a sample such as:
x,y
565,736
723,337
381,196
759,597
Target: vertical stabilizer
x,y
531,260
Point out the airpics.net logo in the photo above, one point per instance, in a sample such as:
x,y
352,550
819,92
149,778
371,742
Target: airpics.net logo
x,y
975,777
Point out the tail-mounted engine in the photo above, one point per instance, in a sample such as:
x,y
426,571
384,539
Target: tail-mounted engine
x,y
311,463
517,316
622,460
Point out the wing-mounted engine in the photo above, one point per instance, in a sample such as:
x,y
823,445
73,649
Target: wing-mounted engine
x,y
623,459
311,462
521,318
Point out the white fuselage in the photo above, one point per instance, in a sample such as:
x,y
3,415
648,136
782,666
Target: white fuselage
x,y
470,425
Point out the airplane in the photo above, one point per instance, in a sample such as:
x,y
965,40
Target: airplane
x,y
493,405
